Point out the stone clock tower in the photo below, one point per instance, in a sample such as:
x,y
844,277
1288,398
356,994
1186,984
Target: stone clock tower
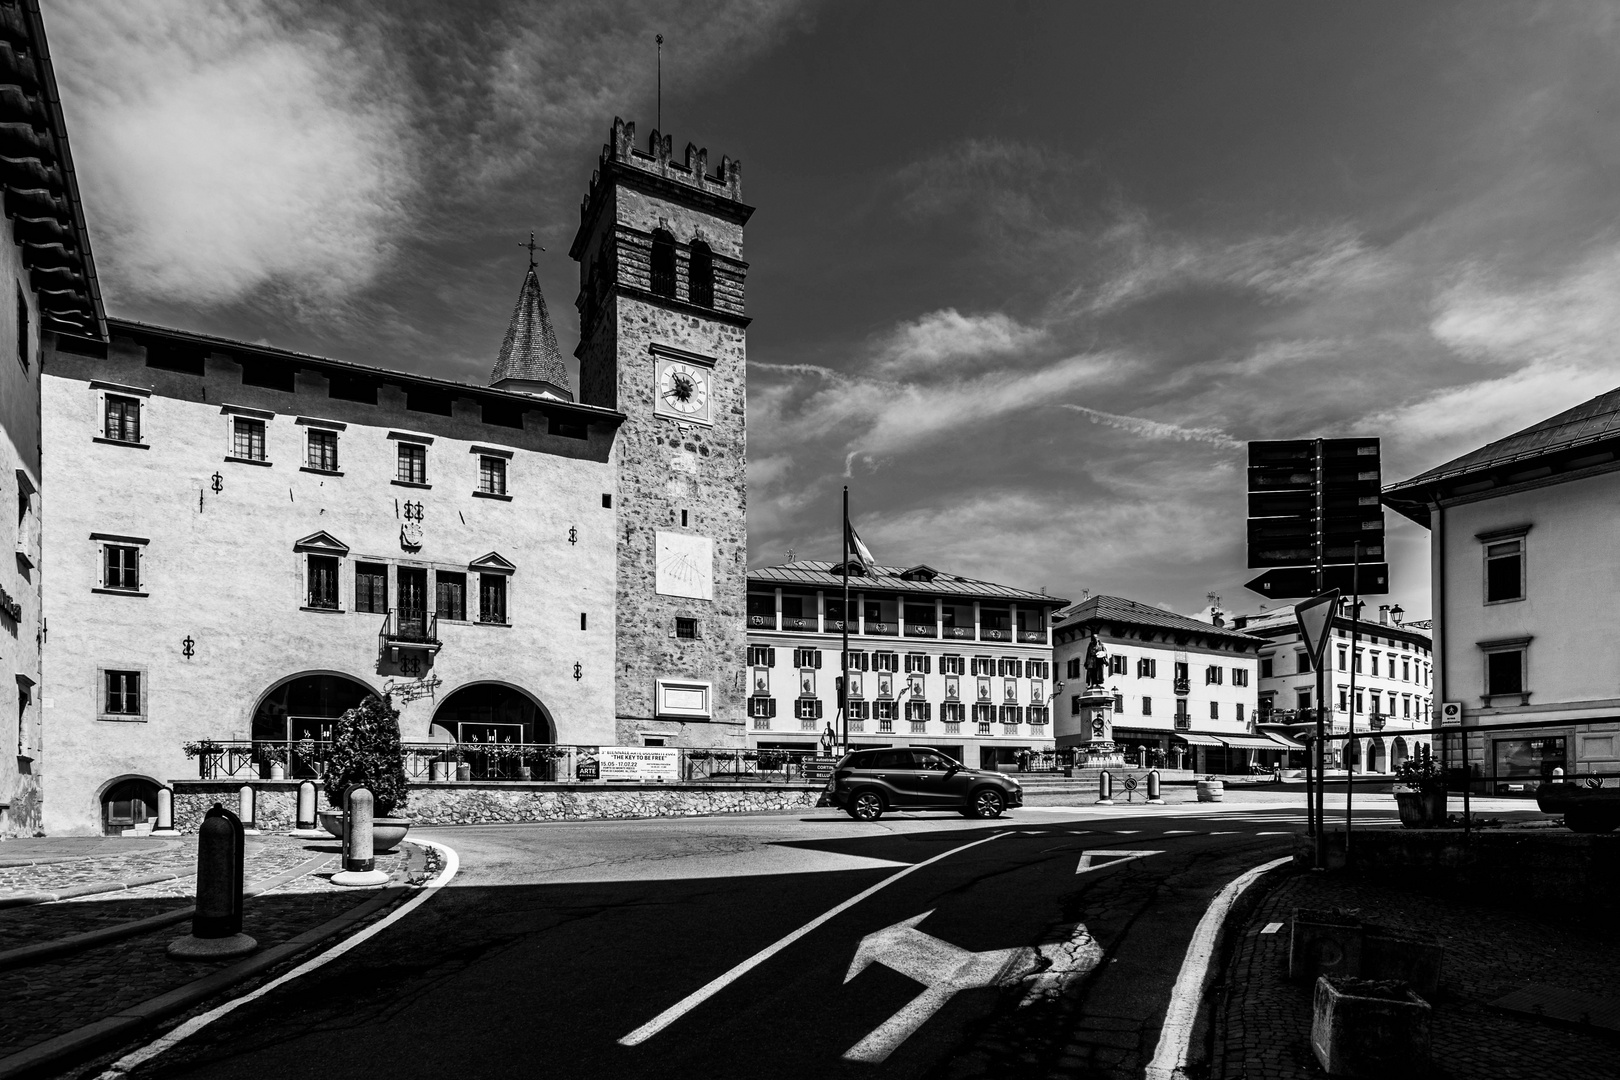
x,y
662,339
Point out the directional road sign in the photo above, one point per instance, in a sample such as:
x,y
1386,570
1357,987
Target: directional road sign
x,y
1301,580
1313,505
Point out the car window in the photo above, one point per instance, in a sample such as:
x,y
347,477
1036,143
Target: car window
x,y
931,761
892,759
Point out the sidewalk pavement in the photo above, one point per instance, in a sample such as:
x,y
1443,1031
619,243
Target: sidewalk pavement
x,y
118,966
1261,1021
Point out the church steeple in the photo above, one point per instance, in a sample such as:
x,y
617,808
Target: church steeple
x,y
529,360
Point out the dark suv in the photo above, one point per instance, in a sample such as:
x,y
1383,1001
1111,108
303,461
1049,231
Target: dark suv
x,y
866,783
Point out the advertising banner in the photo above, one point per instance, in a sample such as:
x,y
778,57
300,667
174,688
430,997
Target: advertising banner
x,y
639,763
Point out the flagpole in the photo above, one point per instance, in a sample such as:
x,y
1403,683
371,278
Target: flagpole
x,y
843,697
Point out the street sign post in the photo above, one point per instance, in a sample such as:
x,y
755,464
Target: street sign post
x,y
1314,509
1315,619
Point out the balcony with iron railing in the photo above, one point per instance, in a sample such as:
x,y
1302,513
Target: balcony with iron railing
x,y
1183,722
409,629
1183,686
811,624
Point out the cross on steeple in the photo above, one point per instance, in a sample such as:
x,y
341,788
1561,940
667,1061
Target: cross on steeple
x,y
531,245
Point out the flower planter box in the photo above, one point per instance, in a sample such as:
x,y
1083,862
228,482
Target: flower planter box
x,y
1369,1030
1387,956
1211,791
1421,809
440,771
1324,943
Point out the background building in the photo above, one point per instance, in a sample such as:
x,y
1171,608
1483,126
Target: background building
x,y
1527,597
47,286
936,660
1391,698
1176,681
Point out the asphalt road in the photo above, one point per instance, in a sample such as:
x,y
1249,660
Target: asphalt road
x,y
562,949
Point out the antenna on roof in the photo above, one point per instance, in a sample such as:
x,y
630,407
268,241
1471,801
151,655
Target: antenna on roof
x,y
532,246
660,84
792,555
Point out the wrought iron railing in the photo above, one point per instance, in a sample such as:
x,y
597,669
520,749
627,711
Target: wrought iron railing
x,y
244,759
411,628
1183,686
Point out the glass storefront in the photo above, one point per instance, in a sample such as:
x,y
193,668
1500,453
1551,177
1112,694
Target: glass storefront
x,y
1522,764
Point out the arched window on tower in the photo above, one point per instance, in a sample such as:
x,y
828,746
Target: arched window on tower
x,y
663,263
701,274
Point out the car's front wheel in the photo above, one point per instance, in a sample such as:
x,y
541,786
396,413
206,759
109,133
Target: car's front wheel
x,y
988,803
866,805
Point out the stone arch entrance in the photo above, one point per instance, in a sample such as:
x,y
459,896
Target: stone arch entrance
x,y
1398,753
1352,754
128,802
492,711
1375,755
303,706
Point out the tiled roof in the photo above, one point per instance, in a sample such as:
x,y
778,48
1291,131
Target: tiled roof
x,y
1589,422
530,349
1120,610
819,575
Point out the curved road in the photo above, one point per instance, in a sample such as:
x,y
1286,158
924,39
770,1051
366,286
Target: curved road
x,y
1032,945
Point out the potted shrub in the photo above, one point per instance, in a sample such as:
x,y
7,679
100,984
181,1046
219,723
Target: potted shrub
x,y
366,752
274,756
1423,803
206,751
306,751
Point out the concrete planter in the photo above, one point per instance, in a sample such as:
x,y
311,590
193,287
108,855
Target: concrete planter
x,y
1369,1030
1323,943
440,772
386,833
278,771
1390,956
1211,791
463,771
1421,809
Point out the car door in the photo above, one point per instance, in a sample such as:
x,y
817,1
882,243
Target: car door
x,y
896,773
954,783
932,774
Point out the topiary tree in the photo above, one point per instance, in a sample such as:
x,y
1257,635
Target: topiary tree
x,y
365,752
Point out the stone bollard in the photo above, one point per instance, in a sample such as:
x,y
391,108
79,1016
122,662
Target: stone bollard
x,y
248,800
165,813
1105,788
309,827
1154,798
216,926
359,865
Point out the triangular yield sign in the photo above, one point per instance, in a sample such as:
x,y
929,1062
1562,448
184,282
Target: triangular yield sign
x,y
1088,860
1315,618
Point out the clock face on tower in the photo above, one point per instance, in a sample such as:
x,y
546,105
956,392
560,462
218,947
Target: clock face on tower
x,y
683,391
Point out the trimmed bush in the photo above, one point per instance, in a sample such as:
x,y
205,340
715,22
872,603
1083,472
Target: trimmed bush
x,y
365,752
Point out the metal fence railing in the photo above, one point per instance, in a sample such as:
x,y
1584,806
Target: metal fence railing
x,y
245,759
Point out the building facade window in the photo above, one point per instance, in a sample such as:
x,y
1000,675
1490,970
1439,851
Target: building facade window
x,y
1147,706
492,475
807,658
412,464
1214,710
122,694
662,277
1504,668
371,588
122,567
761,656
1240,712
700,272
686,628
492,598
451,589
953,665
247,438
323,450
323,582
1146,668
1302,661
122,419
1072,668
1212,675
1265,666
1504,571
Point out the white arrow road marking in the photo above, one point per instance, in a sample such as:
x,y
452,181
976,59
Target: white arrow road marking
x,y
944,969
1115,856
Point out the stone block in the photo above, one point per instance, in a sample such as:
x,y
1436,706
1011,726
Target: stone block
x,y
1366,1030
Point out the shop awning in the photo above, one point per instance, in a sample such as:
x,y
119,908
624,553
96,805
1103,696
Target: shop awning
x,y
1283,740
1248,742
1197,740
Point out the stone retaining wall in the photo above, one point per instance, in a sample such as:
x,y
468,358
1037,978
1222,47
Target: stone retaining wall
x,y
458,803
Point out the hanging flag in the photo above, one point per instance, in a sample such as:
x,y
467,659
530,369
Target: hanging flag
x,y
858,551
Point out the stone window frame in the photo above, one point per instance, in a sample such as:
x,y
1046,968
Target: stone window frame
x,y
102,713
138,394
1513,534
1502,647
334,428
493,455
102,542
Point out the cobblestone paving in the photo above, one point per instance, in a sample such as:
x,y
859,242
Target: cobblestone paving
x,y
107,863
45,1000
1262,1021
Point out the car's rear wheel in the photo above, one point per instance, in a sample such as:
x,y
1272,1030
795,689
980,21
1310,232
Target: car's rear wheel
x,y
988,803
866,805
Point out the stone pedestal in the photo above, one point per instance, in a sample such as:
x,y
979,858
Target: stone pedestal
x,y
1090,731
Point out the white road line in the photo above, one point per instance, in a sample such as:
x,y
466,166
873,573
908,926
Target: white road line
x,y
1118,856
1274,834
126,1064
1175,1036
1179,832
1271,928
1126,832
714,986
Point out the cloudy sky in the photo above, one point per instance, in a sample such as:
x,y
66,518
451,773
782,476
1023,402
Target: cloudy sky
x,y
1025,276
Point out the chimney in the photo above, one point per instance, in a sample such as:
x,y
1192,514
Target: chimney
x,y
1383,614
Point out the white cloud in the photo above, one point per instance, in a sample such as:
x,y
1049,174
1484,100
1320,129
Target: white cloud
x,y
946,339
1574,318
222,153
1156,429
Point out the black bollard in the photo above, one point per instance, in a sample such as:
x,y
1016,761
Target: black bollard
x,y
216,925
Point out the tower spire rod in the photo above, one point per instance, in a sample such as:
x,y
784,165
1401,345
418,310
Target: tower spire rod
x,y
660,84
532,246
